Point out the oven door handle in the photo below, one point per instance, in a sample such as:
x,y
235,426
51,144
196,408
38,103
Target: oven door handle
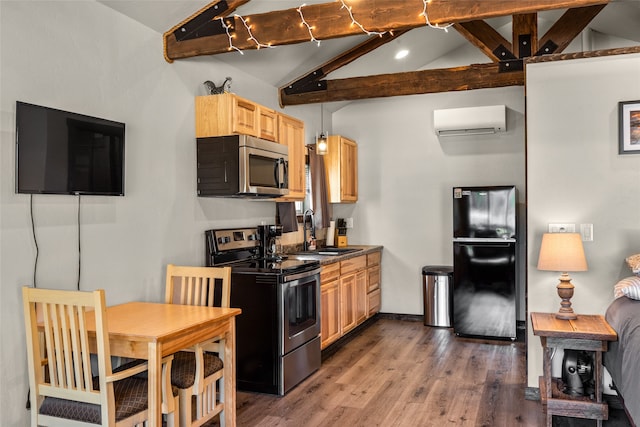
x,y
302,275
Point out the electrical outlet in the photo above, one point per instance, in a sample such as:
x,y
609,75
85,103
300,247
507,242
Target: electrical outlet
x,y
586,230
562,228
349,222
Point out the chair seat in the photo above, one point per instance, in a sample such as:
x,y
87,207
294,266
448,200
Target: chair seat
x,y
130,397
183,370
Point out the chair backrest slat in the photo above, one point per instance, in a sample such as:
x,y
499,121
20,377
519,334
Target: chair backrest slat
x,y
198,285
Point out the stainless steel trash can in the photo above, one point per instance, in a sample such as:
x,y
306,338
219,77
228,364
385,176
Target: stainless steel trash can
x,y
437,283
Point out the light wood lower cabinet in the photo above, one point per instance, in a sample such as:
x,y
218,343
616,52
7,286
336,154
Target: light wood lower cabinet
x,y
373,283
350,294
329,304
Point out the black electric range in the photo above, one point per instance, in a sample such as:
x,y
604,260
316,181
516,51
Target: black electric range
x,y
277,333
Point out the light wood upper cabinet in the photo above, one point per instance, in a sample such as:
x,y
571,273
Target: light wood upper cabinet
x,y
229,114
268,128
341,163
291,134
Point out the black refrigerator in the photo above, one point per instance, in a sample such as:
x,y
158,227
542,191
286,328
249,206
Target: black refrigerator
x,y
484,261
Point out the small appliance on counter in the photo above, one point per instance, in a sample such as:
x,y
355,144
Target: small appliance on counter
x,y
268,235
341,240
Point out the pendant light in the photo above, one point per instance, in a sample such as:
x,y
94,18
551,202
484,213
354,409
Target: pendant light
x,y
321,141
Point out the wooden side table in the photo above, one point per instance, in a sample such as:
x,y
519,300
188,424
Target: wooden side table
x,y
587,332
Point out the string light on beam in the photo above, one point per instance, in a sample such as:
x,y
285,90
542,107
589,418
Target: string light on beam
x,y
305,23
226,28
251,37
426,18
354,22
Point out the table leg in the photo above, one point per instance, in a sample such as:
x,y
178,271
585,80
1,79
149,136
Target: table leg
x,y
546,368
155,376
230,375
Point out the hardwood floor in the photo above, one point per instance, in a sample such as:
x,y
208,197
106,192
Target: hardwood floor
x,y
402,373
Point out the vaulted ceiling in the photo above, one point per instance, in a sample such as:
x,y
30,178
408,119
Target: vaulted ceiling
x,y
506,32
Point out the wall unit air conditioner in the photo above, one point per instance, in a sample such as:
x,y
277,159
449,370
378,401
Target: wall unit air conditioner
x,y
470,121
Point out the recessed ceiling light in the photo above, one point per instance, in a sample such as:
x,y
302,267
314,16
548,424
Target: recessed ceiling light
x,y
402,53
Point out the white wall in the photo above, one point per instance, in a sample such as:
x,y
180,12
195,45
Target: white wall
x,y
576,175
406,175
84,57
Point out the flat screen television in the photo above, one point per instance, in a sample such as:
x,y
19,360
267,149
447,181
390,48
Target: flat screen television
x,y
59,152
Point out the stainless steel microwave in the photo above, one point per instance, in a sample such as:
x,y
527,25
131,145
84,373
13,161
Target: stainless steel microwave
x,y
242,166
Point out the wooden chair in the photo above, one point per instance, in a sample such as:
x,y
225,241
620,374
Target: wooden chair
x,y
198,372
70,394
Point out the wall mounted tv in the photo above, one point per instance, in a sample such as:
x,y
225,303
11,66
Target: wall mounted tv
x,y
58,152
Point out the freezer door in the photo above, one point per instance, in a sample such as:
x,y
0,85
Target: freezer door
x,y
484,296
484,212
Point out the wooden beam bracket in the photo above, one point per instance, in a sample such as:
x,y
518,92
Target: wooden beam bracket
x,y
503,53
548,48
524,41
511,65
309,83
205,23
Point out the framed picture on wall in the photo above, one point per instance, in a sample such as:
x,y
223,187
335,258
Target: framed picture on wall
x,y
629,127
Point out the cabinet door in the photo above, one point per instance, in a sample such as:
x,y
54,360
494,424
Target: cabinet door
x,y
330,314
373,278
347,302
341,164
268,124
361,297
348,170
291,134
226,114
244,116
373,302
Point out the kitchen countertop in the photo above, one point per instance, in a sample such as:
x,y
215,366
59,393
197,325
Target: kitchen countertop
x,y
330,259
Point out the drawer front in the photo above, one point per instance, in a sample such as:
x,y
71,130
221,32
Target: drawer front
x,y
373,278
329,272
373,302
373,258
353,264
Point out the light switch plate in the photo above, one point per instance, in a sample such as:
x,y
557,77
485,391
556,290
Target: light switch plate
x,y
586,230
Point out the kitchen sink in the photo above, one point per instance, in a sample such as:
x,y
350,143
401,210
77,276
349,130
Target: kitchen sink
x,y
321,253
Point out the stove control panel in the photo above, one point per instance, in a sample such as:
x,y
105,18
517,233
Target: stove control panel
x,y
232,239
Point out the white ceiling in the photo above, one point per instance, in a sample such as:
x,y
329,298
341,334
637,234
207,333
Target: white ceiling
x,y
282,64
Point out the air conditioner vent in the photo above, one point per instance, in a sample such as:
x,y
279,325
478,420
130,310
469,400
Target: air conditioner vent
x,y
470,121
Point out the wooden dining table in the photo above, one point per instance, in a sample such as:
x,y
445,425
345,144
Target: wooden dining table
x,y
151,331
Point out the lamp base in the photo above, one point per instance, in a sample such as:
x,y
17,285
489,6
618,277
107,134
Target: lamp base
x,y
565,292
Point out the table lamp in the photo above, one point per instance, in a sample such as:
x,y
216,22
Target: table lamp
x,y
563,252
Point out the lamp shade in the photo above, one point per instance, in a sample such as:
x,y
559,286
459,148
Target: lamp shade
x,y
321,144
562,252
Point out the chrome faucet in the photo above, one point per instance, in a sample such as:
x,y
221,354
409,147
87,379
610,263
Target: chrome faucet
x,y
307,214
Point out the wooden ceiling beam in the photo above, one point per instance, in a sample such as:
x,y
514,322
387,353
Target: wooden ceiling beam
x,y
201,24
310,80
411,83
484,37
567,28
525,34
582,55
331,20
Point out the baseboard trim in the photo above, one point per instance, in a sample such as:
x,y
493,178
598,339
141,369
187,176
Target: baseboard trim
x,y
399,316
